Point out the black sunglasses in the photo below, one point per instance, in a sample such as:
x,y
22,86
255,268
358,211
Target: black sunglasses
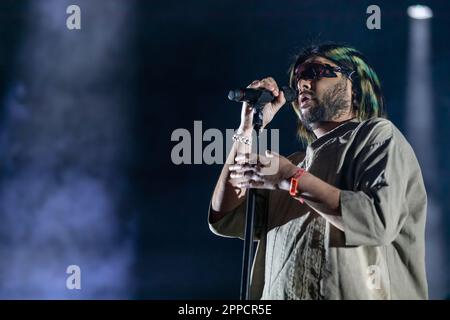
x,y
315,71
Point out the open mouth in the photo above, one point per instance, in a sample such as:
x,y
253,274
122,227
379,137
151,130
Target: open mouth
x,y
304,100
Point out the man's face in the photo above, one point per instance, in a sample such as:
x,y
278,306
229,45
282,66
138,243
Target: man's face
x,y
323,99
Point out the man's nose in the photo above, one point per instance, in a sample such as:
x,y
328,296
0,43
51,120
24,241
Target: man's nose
x,y
304,84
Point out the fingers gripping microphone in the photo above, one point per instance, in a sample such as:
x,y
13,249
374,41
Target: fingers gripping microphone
x,y
260,96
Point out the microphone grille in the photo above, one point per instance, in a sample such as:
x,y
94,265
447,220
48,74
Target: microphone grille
x,y
235,95
290,94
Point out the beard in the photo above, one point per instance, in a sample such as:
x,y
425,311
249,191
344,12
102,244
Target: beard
x,y
332,105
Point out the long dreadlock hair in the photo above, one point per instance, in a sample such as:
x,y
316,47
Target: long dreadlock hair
x,y
367,100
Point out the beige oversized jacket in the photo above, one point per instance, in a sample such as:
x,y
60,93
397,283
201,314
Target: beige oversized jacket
x,y
383,204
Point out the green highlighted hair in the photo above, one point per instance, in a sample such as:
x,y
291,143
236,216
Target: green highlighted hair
x,y
367,101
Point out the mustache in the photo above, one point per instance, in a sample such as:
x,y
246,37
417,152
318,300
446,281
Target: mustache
x,y
310,93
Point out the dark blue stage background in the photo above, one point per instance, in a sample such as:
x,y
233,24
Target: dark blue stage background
x,y
86,118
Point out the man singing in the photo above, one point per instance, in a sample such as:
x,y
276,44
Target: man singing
x,y
346,219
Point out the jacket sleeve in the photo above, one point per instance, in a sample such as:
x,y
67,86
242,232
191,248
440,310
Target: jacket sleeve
x,y
232,225
375,210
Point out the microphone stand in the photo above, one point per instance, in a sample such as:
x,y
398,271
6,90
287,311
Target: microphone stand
x,y
247,258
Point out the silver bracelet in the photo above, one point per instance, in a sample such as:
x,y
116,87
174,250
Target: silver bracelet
x,y
242,139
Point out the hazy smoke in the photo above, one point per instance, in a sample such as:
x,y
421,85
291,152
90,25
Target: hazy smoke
x,y
63,151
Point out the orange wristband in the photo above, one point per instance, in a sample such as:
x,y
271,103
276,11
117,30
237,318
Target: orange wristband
x,y
294,183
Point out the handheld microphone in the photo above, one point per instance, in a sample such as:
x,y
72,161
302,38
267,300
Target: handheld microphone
x,y
260,96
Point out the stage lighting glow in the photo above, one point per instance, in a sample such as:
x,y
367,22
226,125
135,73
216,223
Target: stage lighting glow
x,y
420,126
420,12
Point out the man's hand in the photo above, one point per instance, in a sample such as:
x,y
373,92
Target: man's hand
x,y
262,172
273,172
269,110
